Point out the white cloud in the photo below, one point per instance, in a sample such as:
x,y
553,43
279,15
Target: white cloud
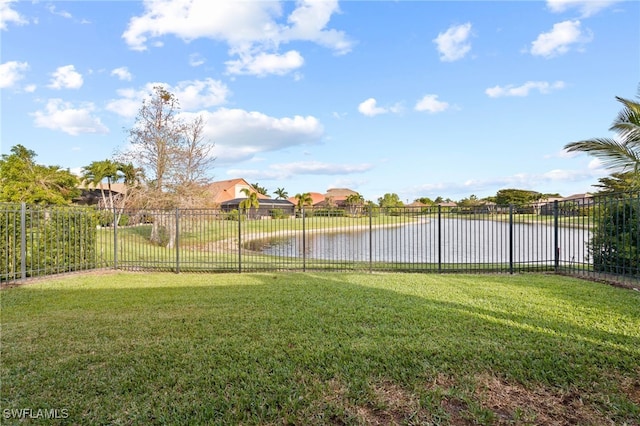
x,y
11,72
196,59
431,104
191,94
289,170
194,94
523,90
129,103
62,13
555,179
262,63
66,77
252,29
309,20
241,135
585,7
60,115
559,40
122,73
453,44
370,108
7,14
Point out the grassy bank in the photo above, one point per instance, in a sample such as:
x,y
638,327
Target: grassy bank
x,y
124,348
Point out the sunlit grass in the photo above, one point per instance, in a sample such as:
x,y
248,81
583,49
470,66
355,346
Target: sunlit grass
x,y
125,348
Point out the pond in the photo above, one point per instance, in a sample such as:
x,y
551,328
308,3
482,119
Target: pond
x,y
454,241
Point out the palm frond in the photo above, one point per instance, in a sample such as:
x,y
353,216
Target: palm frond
x,y
614,154
627,123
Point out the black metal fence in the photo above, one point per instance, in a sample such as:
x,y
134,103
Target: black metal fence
x,y
596,236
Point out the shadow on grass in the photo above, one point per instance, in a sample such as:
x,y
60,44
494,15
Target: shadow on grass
x,y
291,348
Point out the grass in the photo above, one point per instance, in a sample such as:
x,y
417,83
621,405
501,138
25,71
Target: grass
x,y
351,348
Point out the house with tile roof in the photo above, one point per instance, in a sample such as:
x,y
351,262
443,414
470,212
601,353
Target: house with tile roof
x,y
226,190
228,194
91,194
316,199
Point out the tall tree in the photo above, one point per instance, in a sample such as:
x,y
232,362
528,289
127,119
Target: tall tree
x,y
260,189
249,202
191,161
280,194
173,154
518,197
622,155
303,199
355,202
390,200
22,180
95,174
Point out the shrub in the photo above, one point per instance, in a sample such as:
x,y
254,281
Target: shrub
x,y
615,245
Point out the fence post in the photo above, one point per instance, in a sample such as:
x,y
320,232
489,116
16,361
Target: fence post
x,y
439,238
370,240
556,242
239,241
304,242
23,240
177,244
115,240
511,238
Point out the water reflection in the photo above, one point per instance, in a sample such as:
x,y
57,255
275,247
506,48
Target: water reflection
x,y
458,241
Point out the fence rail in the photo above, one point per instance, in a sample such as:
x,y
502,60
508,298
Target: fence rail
x,y
598,236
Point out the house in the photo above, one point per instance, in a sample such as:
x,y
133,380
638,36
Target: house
x,y
228,194
316,199
267,208
92,195
336,197
568,206
227,190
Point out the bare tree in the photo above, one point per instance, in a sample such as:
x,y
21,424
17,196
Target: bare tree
x,y
174,157
192,160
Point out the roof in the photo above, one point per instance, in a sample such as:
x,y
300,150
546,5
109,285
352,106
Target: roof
x,y
116,187
316,198
225,190
263,202
339,193
577,197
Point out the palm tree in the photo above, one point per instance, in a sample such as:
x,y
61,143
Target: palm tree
x,y
96,172
260,189
304,199
250,201
623,153
281,194
354,201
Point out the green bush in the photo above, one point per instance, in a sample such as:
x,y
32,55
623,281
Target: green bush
x,y
277,214
58,239
615,245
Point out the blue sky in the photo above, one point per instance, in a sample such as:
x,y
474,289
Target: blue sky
x,y
417,98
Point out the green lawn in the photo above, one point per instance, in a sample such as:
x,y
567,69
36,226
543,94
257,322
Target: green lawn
x,y
325,348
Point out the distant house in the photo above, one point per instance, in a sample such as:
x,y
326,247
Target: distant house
x,y
228,194
267,207
567,206
333,198
316,199
417,204
337,197
91,195
448,204
227,190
